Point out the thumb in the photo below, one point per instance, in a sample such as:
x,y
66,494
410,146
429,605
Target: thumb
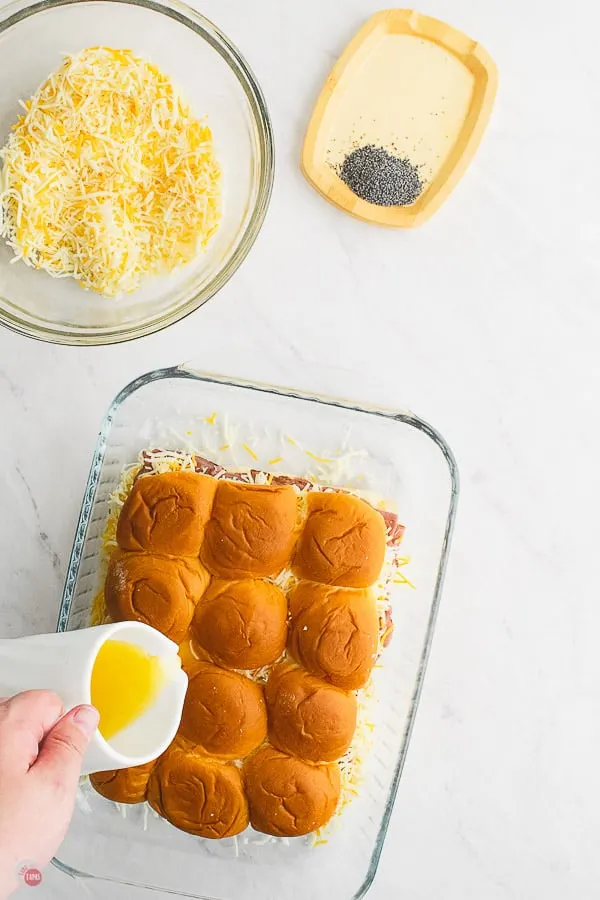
x,y
63,748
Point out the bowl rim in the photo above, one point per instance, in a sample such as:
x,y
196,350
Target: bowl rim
x,y
19,10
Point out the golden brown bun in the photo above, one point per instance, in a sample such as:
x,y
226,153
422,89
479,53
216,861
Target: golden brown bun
x,y
167,514
308,717
288,797
224,714
242,624
157,590
251,532
198,795
343,541
123,785
334,632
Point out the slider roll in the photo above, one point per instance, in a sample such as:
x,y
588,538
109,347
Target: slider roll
x,y
251,532
166,514
288,797
343,541
224,714
242,624
158,590
123,785
198,795
308,717
334,633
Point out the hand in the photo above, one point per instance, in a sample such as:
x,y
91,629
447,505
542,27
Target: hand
x,y
41,751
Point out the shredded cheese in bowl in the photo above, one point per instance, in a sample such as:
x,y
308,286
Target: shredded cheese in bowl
x,y
107,177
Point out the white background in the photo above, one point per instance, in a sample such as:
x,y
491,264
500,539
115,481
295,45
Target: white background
x,y
485,322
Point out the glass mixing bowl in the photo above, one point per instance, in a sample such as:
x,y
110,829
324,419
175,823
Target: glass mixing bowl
x,y
216,80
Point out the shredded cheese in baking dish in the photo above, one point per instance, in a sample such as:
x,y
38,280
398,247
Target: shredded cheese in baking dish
x,y
107,177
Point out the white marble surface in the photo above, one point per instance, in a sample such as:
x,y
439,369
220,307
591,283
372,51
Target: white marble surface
x,y
486,323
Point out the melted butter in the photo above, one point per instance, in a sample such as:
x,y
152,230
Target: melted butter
x,y
187,654
190,655
125,683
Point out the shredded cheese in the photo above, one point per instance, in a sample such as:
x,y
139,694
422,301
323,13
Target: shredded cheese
x,y
250,451
314,456
107,177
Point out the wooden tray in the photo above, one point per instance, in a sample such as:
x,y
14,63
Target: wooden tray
x,y
429,98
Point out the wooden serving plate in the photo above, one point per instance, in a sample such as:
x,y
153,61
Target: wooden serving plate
x,y
413,85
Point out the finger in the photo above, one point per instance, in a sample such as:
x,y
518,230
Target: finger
x,y
25,720
61,753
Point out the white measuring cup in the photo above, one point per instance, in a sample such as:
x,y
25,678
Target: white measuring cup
x,y
63,663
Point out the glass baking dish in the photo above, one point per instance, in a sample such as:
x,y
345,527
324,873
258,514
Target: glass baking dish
x,y
392,455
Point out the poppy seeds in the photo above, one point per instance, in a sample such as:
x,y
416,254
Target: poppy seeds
x,y
376,176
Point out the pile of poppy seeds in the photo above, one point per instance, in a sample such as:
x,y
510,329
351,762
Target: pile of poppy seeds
x,y
378,177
